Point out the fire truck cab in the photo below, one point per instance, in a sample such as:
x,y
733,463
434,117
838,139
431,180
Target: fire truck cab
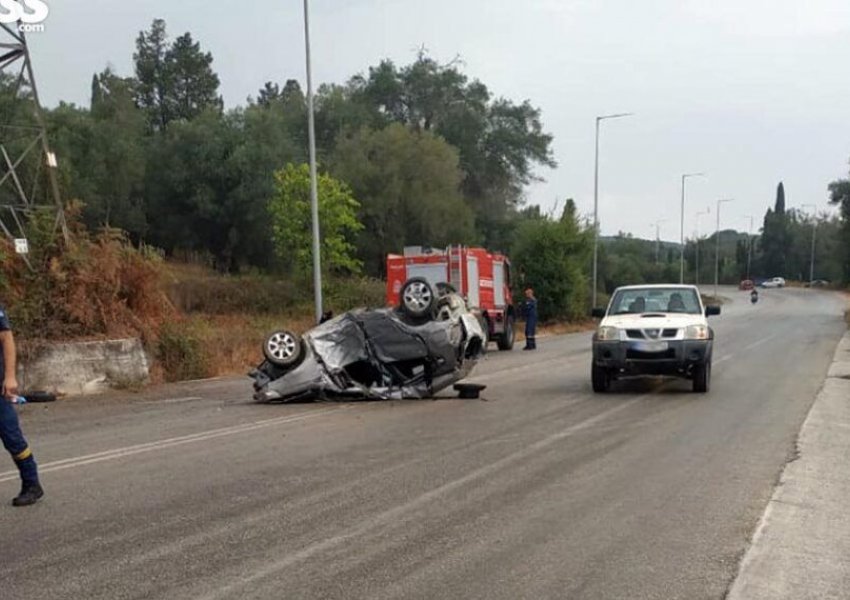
x,y
480,276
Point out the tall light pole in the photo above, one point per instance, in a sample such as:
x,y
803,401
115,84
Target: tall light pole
x,y
707,211
657,226
749,245
717,252
314,185
596,202
682,226
814,233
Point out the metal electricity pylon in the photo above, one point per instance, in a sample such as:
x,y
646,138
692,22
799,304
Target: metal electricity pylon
x,y
28,177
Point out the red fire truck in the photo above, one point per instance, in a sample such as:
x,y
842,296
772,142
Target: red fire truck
x,y
482,277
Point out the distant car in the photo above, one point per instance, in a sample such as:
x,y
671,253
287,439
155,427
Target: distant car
x,y
776,282
818,283
746,284
653,330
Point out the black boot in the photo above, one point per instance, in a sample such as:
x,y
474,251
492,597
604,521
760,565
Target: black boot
x,y
30,494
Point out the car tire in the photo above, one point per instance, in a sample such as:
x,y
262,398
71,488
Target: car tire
x,y
506,340
600,378
283,348
418,298
702,378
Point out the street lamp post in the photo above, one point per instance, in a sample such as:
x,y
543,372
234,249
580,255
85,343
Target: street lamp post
x,y
717,251
707,211
814,234
314,186
682,227
657,226
596,202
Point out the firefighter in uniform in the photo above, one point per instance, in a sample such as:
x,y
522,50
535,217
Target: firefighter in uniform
x,y
530,311
10,428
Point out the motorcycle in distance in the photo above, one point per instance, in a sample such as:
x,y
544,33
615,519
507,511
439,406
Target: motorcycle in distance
x,y
754,296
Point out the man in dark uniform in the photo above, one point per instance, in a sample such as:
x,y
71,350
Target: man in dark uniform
x,y
10,428
530,311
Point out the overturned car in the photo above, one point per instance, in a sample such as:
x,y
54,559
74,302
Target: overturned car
x,y
428,343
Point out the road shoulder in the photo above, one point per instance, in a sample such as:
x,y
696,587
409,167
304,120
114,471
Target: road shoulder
x,y
801,545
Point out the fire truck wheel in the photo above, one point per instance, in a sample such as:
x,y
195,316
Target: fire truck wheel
x,y
417,298
506,340
283,348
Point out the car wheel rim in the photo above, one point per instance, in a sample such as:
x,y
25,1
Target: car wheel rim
x,y
417,296
282,346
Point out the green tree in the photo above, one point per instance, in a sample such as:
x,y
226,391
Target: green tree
x,y
189,185
118,157
774,237
102,154
174,81
408,186
550,255
290,211
839,195
269,94
499,142
194,83
153,75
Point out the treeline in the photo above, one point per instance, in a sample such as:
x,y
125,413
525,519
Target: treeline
x,y
839,193
410,154
429,156
780,247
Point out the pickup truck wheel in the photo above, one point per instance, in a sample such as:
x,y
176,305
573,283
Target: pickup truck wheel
x,y
601,379
702,377
506,340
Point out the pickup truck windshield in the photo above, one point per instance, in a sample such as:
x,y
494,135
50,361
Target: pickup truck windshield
x,y
655,300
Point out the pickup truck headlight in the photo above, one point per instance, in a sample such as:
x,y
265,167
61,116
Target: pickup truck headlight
x,y
696,332
608,334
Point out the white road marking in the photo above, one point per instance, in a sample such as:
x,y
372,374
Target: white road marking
x,y
174,400
80,461
760,342
394,514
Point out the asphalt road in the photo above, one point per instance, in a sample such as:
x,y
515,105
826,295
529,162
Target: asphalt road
x,y
539,490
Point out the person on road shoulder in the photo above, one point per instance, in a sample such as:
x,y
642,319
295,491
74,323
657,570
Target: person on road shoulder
x,y
530,311
10,427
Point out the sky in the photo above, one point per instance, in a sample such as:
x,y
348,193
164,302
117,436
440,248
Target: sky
x,y
751,92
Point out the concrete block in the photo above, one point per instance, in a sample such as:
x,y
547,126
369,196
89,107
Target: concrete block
x,y
86,367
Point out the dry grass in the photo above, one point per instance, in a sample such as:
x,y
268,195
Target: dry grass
x,y
226,318
566,328
238,339
92,288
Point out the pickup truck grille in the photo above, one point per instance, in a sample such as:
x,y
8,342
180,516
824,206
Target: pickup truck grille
x,y
651,334
638,355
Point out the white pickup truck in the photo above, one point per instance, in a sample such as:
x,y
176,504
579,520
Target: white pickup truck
x,y
653,330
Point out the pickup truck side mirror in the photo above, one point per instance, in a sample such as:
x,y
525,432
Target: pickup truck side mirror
x,y
712,311
598,313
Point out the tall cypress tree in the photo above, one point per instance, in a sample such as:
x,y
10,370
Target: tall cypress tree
x,y
780,199
774,239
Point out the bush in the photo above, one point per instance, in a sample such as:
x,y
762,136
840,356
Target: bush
x,y
212,294
96,286
550,256
182,353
